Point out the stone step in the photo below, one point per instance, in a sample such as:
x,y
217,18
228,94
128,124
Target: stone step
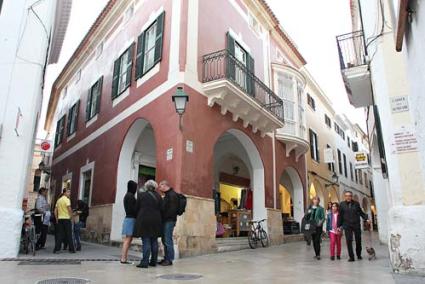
x,y
293,238
228,248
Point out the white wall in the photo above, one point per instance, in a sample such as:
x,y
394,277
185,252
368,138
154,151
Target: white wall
x,y
22,59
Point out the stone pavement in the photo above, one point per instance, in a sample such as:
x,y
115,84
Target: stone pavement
x,y
288,263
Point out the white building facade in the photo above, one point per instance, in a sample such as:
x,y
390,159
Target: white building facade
x,y
388,84
32,34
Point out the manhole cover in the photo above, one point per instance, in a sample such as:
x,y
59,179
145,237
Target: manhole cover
x,y
64,281
180,276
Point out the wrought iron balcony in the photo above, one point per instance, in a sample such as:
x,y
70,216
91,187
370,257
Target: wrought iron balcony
x,y
354,65
229,83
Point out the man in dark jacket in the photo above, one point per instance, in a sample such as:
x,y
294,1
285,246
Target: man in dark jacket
x,y
170,207
350,213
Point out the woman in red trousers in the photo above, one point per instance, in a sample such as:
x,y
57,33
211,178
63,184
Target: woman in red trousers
x,y
335,233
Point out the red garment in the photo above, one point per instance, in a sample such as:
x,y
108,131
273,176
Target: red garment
x,y
248,204
335,241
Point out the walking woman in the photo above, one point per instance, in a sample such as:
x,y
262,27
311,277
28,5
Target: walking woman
x,y
317,216
129,220
148,223
334,232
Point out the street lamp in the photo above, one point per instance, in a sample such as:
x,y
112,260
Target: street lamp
x,y
180,99
334,180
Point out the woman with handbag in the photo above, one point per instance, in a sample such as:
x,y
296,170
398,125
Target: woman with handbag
x,y
317,217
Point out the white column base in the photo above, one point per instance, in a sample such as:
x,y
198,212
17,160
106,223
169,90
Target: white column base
x,y
407,239
10,233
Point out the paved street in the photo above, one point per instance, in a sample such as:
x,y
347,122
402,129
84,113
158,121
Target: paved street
x,y
289,263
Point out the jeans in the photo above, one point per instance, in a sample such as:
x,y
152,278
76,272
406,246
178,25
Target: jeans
x,y
167,240
150,250
41,242
77,233
317,237
64,234
349,231
335,241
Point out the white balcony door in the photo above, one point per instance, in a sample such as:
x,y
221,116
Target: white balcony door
x,y
241,56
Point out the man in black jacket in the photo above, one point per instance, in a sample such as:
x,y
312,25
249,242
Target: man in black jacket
x,y
169,217
350,213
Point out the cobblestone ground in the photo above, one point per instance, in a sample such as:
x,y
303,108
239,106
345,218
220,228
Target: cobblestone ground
x,y
288,263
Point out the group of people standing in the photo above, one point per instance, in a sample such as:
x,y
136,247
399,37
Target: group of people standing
x,y
150,215
340,218
67,221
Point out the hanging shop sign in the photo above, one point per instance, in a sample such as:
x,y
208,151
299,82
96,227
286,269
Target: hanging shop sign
x,y
361,160
404,140
399,104
46,146
329,156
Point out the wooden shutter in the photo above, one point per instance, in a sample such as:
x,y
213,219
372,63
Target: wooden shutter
x,y
115,78
68,123
312,151
140,55
76,112
159,37
250,82
129,65
88,104
99,95
57,133
230,58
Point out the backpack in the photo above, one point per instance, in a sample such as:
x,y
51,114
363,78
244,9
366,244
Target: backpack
x,y
182,204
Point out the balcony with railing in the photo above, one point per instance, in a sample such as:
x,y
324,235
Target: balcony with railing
x,y
352,52
228,83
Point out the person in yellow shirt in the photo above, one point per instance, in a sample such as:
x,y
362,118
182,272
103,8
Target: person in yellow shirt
x,y
63,214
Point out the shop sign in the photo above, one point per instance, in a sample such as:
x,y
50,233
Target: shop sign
x,y
361,161
404,140
169,154
329,156
399,104
46,146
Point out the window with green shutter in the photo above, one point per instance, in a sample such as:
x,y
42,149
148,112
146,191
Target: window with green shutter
x,y
93,99
122,72
73,118
149,47
60,127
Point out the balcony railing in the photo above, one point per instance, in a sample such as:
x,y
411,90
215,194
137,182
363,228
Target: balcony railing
x,y
351,49
223,65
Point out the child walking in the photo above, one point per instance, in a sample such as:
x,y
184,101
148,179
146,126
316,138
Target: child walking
x,y
334,232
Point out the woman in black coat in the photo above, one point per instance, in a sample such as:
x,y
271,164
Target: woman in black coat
x,y
148,223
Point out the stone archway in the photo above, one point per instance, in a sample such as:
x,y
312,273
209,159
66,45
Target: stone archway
x,y
333,194
292,194
234,143
316,189
138,149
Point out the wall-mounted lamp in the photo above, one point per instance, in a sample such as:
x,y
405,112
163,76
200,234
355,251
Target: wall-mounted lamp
x,y
180,99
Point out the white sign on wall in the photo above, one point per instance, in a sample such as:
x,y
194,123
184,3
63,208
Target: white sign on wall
x,y
329,155
169,154
399,104
189,146
404,140
361,160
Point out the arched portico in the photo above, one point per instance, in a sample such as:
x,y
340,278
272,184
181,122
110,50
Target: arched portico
x,y
137,161
292,194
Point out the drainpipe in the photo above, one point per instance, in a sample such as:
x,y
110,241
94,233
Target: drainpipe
x,y
274,168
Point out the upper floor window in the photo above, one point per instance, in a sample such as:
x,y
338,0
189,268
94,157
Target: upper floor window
x,y
339,161
122,72
365,180
286,87
360,177
345,166
253,23
339,130
93,99
328,121
314,146
60,127
73,118
351,171
311,102
149,47
331,166
355,146
348,142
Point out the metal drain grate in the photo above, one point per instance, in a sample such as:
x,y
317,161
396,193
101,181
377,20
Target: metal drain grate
x,y
180,276
68,280
52,262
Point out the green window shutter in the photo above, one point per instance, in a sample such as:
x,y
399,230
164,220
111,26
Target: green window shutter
x,y
159,37
99,95
115,78
57,133
311,144
230,58
68,123
250,76
77,113
88,104
140,55
129,65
